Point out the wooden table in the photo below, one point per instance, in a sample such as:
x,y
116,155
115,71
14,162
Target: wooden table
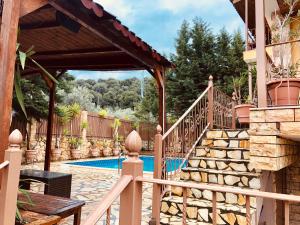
x,y
33,218
53,206
58,184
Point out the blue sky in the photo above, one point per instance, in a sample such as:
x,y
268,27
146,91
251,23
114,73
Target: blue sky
x,y
157,22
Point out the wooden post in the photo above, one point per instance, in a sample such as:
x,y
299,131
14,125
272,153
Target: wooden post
x,y
161,99
9,30
157,174
10,179
233,122
50,127
210,116
131,197
247,24
261,53
250,83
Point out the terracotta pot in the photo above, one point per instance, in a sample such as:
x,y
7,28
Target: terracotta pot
x,y
243,113
75,153
30,155
56,153
106,152
284,92
117,149
95,152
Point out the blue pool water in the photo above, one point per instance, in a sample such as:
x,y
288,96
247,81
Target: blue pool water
x,y
113,163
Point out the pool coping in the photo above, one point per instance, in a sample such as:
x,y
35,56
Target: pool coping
x,y
68,163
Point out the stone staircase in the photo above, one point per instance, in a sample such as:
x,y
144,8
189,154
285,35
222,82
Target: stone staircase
x,y
222,160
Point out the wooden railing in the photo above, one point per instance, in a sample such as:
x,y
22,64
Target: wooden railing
x,y
10,171
105,206
213,109
129,188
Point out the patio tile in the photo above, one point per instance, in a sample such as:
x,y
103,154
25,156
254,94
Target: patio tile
x,y
91,185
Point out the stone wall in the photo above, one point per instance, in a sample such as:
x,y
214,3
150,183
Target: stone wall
x,y
273,132
293,187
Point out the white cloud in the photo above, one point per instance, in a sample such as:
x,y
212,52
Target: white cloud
x,y
176,6
120,8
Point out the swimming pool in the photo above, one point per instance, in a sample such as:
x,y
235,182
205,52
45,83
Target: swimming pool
x,y
113,163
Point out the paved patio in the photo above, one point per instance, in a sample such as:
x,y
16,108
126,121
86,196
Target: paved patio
x,y
91,185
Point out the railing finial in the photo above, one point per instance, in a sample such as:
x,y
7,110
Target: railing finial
x,y
158,129
133,143
211,78
15,138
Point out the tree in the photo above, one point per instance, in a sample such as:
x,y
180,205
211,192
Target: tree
x,y
223,74
200,53
147,109
80,96
194,62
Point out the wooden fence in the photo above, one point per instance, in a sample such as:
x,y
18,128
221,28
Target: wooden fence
x,y
97,127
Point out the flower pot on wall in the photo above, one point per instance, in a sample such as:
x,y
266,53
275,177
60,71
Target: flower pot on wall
x,y
95,152
107,152
56,153
243,113
75,153
284,92
117,149
30,155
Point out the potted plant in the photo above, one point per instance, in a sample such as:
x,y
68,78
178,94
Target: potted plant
x,y
242,109
284,86
64,117
31,153
116,125
74,144
94,148
106,149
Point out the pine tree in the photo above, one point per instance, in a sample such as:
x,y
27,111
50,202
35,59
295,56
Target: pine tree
x,y
194,62
223,73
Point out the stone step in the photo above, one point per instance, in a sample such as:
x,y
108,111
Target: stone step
x,y
229,198
239,133
223,152
176,220
226,142
240,165
201,211
222,177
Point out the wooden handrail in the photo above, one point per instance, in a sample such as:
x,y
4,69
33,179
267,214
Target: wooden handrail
x,y
193,147
283,43
4,164
214,188
109,198
186,113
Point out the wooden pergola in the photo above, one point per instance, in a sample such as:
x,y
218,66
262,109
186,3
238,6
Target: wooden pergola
x,y
69,35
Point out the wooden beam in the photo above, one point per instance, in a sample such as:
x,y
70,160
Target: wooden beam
x,y
9,30
86,18
28,6
161,100
40,26
261,53
87,51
